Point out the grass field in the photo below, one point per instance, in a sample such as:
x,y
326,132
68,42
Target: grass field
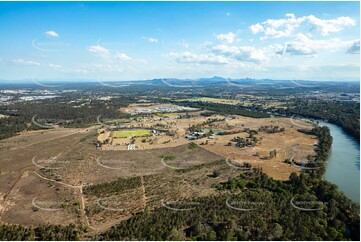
x,y
131,133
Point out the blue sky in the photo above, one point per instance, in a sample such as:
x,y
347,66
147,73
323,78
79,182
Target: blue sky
x,y
145,40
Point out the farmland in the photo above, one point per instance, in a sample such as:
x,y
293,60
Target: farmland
x,y
156,156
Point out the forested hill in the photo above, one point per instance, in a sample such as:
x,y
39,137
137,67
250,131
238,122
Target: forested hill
x,y
344,114
266,213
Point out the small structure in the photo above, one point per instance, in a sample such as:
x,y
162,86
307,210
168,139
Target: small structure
x,y
131,146
190,137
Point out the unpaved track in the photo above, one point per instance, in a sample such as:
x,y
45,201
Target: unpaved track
x,y
143,192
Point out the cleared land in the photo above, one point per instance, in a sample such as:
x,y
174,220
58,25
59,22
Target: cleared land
x,y
59,176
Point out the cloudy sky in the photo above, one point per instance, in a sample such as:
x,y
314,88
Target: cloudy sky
x,y
134,41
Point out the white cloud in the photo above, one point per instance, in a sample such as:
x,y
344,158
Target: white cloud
x,y
150,39
123,57
54,66
26,62
98,68
256,28
228,14
355,48
52,34
240,53
99,50
188,57
228,38
303,45
325,27
285,27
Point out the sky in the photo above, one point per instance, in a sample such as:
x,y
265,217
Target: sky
x,y
144,40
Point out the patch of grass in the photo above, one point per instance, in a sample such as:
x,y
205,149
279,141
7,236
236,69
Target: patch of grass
x,y
168,157
131,133
192,146
88,137
117,186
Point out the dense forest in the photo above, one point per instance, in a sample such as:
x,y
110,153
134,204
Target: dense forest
x,y
253,112
343,114
60,111
271,215
41,233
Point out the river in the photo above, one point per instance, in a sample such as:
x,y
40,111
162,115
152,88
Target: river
x,y
343,164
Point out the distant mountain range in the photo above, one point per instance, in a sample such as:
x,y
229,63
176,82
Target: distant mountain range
x,y
245,82
201,82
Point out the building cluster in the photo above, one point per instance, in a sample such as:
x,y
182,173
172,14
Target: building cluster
x,y
162,109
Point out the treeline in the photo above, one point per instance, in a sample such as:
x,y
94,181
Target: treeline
x,y
265,212
59,111
11,125
117,186
41,233
317,167
226,109
343,114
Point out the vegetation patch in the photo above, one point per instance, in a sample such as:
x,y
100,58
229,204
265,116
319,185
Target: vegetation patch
x,y
131,133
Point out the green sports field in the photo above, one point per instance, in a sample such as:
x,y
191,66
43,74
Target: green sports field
x,y
131,133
